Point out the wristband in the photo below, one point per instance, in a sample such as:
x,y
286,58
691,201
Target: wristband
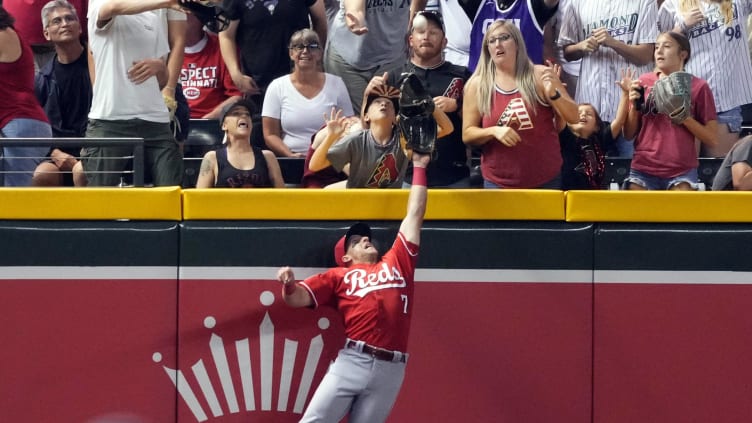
x,y
555,96
419,176
290,288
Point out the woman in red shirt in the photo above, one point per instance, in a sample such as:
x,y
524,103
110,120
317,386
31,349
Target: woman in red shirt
x,y
21,116
509,110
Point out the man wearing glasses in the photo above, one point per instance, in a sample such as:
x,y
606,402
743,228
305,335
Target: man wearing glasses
x,y
63,88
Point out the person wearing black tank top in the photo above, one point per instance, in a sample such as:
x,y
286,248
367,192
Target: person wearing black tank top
x,y
239,164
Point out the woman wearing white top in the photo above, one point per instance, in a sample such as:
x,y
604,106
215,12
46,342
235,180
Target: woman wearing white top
x,y
295,104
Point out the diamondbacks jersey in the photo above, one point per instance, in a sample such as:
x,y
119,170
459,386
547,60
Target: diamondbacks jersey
x,y
532,162
372,165
521,13
374,299
449,163
632,22
719,52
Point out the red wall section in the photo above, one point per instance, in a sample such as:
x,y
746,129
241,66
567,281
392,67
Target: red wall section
x,y
82,350
672,353
252,313
499,352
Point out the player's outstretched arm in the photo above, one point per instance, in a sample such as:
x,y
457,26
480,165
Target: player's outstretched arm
x,y
416,202
293,294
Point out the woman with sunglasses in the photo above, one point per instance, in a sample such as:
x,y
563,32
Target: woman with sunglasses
x,y
295,104
509,110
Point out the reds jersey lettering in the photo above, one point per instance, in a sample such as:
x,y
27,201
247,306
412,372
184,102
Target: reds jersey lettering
x,y
374,299
359,282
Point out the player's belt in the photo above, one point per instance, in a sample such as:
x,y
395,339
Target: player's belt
x,y
376,352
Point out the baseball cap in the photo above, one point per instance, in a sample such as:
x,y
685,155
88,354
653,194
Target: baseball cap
x,y
247,104
431,15
370,98
340,249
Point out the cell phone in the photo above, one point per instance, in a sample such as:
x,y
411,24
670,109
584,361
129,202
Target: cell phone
x,y
640,101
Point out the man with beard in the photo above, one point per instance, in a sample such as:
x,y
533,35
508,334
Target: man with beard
x,y
445,82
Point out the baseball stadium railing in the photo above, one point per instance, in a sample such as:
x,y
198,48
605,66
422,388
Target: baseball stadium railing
x,y
137,157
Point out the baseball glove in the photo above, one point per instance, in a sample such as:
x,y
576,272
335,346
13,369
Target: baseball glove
x,y
209,12
416,120
672,96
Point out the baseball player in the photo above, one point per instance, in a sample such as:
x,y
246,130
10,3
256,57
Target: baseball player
x,y
529,16
375,296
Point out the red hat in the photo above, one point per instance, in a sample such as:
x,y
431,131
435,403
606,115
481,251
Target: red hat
x,y
359,228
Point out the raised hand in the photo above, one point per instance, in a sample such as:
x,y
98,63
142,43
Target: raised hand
x,y
335,122
627,76
549,76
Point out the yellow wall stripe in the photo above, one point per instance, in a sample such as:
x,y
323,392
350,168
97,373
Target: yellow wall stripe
x,y
364,204
170,203
658,206
90,203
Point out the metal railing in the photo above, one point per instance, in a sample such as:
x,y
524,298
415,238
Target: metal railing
x,y
137,170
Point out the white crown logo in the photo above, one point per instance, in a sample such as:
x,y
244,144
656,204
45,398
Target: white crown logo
x,y
243,357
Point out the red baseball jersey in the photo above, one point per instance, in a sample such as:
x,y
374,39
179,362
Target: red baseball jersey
x,y
205,79
374,299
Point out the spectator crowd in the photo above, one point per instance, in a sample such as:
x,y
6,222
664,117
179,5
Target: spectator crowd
x,y
539,92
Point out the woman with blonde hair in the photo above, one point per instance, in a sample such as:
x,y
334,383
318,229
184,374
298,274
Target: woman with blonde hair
x,y
509,110
717,34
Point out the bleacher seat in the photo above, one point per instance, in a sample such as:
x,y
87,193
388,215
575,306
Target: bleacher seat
x,y
707,169
204,135
292,170
746,120
617,169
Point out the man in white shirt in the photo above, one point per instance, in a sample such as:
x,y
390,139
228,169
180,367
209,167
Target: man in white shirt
x,y
130,47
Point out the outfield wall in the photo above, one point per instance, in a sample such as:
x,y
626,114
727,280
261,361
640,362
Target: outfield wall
x,y
531,306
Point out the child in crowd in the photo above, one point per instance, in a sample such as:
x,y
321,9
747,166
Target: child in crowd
x,y
328,177
585,144
665,152
376,155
